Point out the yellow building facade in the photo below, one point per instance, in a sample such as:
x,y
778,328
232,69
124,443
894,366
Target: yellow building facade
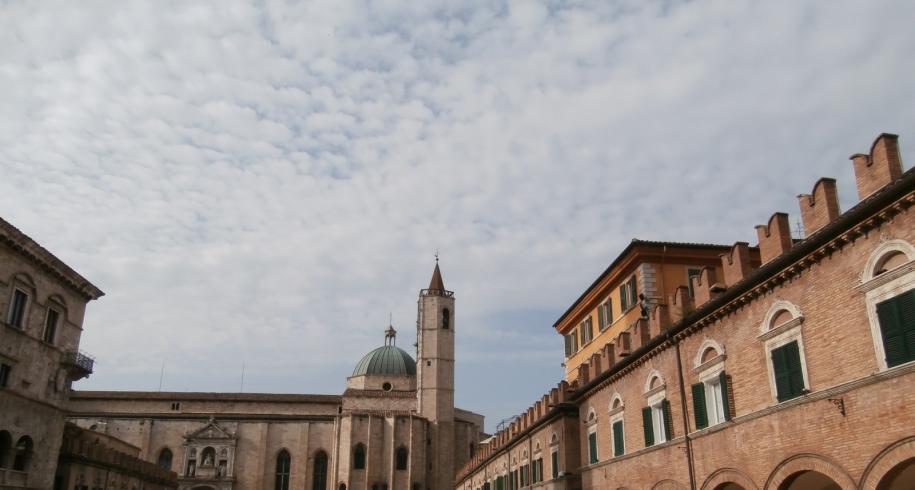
x,y
645,274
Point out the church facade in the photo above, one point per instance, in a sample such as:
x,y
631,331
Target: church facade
x,y
394,427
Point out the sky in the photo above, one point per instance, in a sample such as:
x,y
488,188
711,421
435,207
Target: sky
x,y
257,186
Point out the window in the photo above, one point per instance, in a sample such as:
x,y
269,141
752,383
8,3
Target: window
x,y
572,343
605,314
554,463
6,448
18,308
402,456
616,425
446,319
897,328
319,478
176,406
359,457
165,459
50,325
586,331
711,405
786,366
619,444
386,386
191,469
592,446
5,370
537,470
690,274
657,423
888,284
628,294
784,345
283,462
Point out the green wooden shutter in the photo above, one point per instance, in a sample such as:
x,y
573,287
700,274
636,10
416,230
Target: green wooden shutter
x,y
601,323
725,385
618,441
554,462
668,421
897,327
780,370
592,447
699,408
624,297
646,425
568,346
795,372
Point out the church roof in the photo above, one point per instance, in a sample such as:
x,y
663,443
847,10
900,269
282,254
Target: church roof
x,y
388,359
436,284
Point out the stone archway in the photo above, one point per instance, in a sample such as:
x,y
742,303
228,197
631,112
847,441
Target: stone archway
x,y
729,479
668,485
809,472
891,465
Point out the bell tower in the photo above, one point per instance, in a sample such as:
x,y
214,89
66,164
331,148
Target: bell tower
x,y
435,377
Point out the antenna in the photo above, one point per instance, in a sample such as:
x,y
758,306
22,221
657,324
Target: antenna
x,y
242,388
436,255
799,228
161,375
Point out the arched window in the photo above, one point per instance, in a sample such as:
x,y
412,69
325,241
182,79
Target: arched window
x,y
165,459
446,319
283,462
616,425
401,458
888,284
782,334
23,454
359,457
319,478
6,449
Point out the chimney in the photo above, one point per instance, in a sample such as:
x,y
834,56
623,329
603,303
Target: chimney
x,y
658,319
595,364
820,207
609,353
774,238
878,169
736,263
584,374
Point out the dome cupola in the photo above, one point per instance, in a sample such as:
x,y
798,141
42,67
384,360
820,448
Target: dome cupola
x,y
387,359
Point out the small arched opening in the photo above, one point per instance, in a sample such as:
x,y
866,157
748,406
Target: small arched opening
x,y
165,458
23,454
809,480
319,476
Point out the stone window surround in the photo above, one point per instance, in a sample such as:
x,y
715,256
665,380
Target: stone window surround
x,y
775,336
617,415
885,286
18,284
655,396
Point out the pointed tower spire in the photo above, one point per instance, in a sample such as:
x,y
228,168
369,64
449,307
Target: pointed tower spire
x,y
436,284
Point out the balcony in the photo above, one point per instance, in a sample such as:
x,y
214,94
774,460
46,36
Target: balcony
x,y
78,364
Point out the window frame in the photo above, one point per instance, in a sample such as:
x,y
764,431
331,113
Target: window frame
x,y
656,400
617,415
885,286
777,336
11,311
53,329
6,373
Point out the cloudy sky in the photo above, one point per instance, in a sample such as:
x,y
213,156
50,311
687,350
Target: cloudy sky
x,y
262,183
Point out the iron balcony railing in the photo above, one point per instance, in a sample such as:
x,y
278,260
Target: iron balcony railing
x,y
79,360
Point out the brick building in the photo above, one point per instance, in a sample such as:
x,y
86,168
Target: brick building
x,y
791,367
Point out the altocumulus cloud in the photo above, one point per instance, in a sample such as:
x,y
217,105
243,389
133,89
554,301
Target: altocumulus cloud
x,y
263,182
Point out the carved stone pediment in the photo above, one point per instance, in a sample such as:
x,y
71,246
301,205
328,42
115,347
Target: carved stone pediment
x,y
211,431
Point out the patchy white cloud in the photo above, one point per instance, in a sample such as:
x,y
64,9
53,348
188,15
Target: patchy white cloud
x,y
263,182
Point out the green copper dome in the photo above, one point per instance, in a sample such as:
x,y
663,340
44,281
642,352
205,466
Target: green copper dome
x,y
386,360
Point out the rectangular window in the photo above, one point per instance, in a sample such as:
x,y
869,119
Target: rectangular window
x,y
587,332
50,326
554,464
568,340
656,423
690,273
628,294
574,341
786,366
897,328
619,445
17,308
592,447
608,313
715,402
5,370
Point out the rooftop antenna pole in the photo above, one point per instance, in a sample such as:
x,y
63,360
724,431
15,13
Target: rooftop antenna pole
x,y
161,375
242,388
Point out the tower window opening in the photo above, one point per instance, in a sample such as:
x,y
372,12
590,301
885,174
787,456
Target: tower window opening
x,y
446,319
